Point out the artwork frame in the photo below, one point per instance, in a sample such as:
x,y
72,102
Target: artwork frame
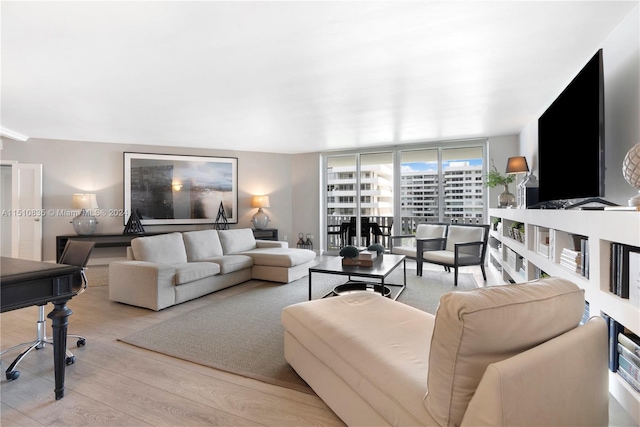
x,y
168,189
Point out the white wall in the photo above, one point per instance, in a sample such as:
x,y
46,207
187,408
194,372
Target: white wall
x,y
74,166
500,148
621,64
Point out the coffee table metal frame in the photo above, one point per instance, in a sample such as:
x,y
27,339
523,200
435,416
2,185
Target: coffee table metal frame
x,y
379,271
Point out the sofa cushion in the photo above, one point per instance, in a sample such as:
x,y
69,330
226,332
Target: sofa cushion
x,y
448,257
192,271
462,234
161,249
430,231
231,263
485,325
377,356
234,241
280,257
202,244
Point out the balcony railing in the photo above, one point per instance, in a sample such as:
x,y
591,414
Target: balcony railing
x,y
338,234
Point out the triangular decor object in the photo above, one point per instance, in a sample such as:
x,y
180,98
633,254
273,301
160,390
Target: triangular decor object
x,y
134,226
221,219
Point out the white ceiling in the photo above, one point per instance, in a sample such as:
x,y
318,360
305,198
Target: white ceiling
x,y
290,77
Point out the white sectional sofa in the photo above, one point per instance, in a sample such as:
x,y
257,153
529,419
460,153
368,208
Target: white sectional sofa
x,y
510,355
172,268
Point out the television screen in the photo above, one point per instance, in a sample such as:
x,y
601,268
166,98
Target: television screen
x,y
571,139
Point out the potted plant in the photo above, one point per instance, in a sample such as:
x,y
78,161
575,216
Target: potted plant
x,y
350,255
493,179
377,248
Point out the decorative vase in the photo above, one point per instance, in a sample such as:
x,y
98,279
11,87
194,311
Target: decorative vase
x,y
505,198
260,220
631,172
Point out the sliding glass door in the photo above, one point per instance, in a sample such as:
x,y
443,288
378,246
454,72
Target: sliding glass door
x,y
359,199
372,195
441,185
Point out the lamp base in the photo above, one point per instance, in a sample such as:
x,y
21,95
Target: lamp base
x,y
635,201
260,220
84,224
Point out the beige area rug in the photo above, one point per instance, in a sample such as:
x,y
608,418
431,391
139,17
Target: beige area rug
x,y
242,334
97,275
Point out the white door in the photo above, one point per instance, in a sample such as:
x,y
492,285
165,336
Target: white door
x,y
22,210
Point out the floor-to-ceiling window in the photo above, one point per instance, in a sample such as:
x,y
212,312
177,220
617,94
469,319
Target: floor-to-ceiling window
x,y
371,195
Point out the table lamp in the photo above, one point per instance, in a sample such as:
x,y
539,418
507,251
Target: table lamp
x,y
260,220
85,223
516,165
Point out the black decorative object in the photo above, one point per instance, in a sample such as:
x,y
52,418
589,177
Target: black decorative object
x,y
134,226
305,244
221,219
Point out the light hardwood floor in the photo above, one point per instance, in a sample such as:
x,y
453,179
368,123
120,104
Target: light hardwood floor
x,y
113,383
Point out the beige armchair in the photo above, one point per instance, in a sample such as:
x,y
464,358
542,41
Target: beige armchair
x,y
463,245
407,244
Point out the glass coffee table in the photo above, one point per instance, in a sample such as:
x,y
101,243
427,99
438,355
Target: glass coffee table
x,y
379,271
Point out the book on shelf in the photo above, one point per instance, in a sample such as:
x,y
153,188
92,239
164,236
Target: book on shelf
x,y
627,353
630,341
572,268
629,379
624,269
584,250
571,260
630,357
634,278
629,367
570,253
615,329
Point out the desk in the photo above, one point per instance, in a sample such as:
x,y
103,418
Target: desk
x,y
24,283
101,240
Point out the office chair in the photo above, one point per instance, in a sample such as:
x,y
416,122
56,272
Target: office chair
x,y
75,253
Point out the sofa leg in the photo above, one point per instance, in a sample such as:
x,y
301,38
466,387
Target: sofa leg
x,y
419,267
484,274
455,276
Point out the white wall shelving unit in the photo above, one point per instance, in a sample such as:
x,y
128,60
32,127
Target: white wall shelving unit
x,y
601,228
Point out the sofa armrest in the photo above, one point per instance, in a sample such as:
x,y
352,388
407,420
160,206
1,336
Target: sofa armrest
x,y
142,283
271,244
563,381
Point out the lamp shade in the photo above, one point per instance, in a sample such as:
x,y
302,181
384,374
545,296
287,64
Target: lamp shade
x,y
260,202
517,165
84,201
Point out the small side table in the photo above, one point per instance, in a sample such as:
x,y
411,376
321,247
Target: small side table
x,y
266,234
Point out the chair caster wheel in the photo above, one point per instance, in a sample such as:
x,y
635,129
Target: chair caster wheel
x,y
81,342
71,360
13,375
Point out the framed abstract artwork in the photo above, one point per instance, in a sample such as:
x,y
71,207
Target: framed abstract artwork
x,y
169,189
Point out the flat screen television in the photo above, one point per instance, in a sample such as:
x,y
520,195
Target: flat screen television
x,y
571,142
